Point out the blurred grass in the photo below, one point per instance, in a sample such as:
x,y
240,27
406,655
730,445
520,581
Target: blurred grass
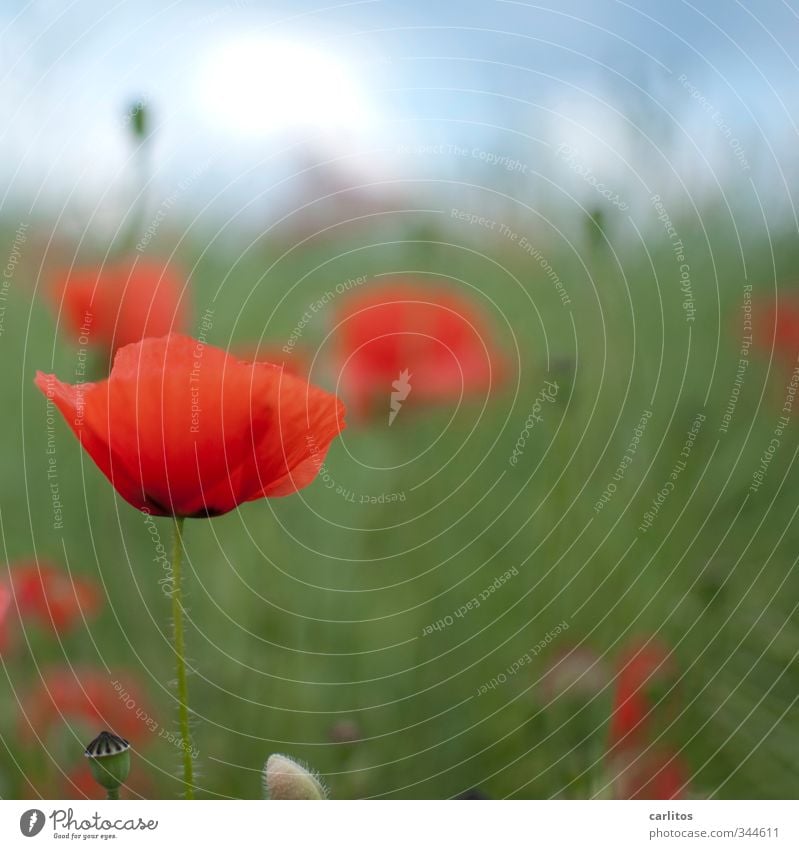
x,y
311,609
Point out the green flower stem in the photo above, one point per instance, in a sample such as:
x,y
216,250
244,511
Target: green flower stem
x,y
180,654
112,794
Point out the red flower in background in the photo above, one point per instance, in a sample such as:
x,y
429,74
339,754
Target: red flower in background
x,y
778,325
67,697
68,707
648,775
645,670
433,336
113,305
5,608
643,685
46,593
182,428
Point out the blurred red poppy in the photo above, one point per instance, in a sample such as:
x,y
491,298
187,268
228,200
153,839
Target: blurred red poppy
x,y
648,775
113,305
181,428
409,340
645,675
86,700
46,593
5,625
777,325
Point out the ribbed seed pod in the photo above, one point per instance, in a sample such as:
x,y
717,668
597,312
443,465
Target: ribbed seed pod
x,y
109,761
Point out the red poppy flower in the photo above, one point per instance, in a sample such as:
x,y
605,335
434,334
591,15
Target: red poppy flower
x,y
51,596
113,305
777,325
432,343
5,624
648,775
645,670
88,698
182,428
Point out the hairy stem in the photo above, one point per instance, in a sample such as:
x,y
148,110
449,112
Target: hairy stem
x,y
180,654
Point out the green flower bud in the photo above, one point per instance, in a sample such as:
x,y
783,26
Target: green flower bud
x,y
139,120
109,761
284,778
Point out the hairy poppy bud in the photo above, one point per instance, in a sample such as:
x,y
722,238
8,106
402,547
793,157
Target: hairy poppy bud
x,y
284,778
109,761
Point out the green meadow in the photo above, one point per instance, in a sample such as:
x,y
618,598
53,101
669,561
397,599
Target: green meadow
x,y
424,583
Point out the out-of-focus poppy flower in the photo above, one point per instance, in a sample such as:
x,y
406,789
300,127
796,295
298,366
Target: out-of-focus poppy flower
x,y
645,675
66,706
638,771
648,774
46,593
297,362
87,698
409,341
113,305
181,428
576,673
777,325
5,625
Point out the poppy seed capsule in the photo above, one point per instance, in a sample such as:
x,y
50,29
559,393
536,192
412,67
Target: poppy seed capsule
x,y
109,760
284,778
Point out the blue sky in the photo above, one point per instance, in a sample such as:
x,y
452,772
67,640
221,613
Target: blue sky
x,y
511,77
